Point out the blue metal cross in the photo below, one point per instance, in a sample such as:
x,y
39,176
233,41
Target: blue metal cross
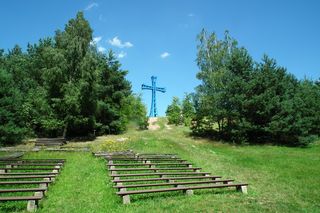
x,y
154,89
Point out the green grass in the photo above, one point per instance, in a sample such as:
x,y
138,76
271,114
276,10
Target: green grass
x,y
281,179
3,154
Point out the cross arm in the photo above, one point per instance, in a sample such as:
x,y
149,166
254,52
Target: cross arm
x,y
143,86
161,89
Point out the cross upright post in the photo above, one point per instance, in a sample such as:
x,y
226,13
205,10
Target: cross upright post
x,y
154,89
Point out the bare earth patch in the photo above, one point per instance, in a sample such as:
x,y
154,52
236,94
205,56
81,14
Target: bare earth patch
x,y
153,123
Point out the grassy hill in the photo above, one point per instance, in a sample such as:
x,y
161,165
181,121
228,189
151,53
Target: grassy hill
x,y
281,179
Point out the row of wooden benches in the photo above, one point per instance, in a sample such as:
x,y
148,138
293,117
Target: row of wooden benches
x,y
42,179
50,141
154,164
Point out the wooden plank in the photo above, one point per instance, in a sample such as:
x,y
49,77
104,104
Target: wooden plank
x,y
108,154
31,164
140,159
29,173
173,183
28,168
50,139
21,198
34,160
122,193
156,154
26,176
148,164
144,158
155,169
114,153
49,145
25,182
159,173
49,142
165,178
56,138
23,190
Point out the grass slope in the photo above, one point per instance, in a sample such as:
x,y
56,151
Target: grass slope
x,y
281,179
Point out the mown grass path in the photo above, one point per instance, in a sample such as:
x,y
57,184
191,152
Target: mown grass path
x,y
82,186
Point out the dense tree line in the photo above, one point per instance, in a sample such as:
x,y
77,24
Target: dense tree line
x,y
62,86
241,100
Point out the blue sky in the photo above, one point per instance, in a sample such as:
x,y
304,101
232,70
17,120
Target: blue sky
x,y
159,37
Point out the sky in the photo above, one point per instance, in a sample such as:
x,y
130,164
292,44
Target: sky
x,y
158,37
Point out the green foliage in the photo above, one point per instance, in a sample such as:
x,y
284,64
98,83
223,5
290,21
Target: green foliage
x,y
135,111
174,113
187,109
64,86
12,128
251,102
112,92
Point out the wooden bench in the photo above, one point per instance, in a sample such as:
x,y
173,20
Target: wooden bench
x,y
50,141
31,164
29,173
161,174
165,154
188,190
22,164
32,200
33,160
135,155
148,164
26,182
23,190
5,169
118,155
143,159
175,184
166,179
174,174
155,169
26,177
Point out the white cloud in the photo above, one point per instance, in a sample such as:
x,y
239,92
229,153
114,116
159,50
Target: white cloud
x,y
191,15
101,49
165,55
118,43
122,54
92,5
